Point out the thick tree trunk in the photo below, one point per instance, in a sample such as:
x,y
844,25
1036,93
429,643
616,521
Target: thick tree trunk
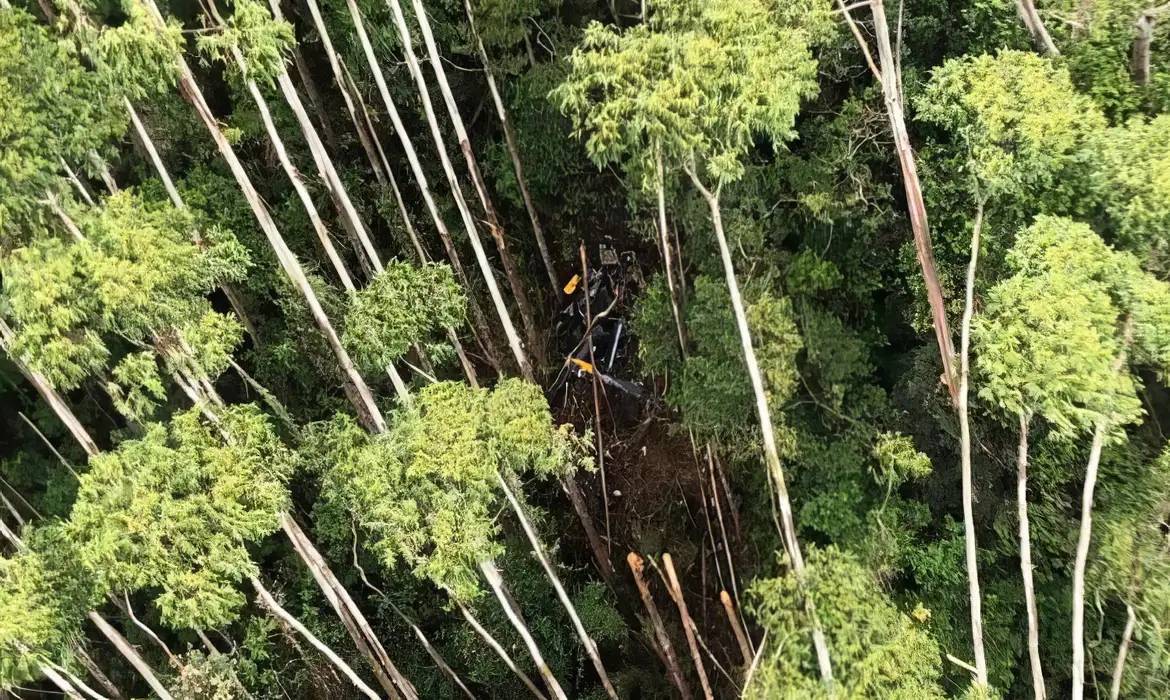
x,y
566,603
404,34
1122,652
514,155
660,635
891,91
667,256
59,680
511,270
98,675
764,414
1139,65
1038,689
388,675
288,261
1085,535
495,645
269,603
130,654
970,545
689,629
492,574
1035,27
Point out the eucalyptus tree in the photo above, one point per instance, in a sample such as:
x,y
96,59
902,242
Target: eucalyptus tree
x,y
702,81
514,342
427,492
156,26
175,512
1017,123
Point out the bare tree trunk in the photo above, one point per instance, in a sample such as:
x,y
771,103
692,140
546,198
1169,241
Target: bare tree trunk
x,y
1085,535
511,271
295,178
566,603
1139,66
688,624
764,413
288,261
80,684
404,34
1035,27
1038,689
478,321
268,602
1122,652
492,574
58,680
890,80
514,155
664,645
311,90
388,675
600,552
48,393
733,619
130,654
667,257
971,547
500,651
98,675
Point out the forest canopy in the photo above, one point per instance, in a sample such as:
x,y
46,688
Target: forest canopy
x,y
576,349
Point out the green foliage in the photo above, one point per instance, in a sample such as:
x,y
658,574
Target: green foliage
x,y
427,492
694,84
208,677
51,108
1132,180
878,651
132,57
137,388
710,388
135,274
175,511
43,599
263,41
404,304
898,460
1015,116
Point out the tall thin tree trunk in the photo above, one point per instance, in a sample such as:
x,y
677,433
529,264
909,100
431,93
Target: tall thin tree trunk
x,y
130,654
764,413
293,175
971,547
288,261
1038,689
514,154
890,82
311,89
667,256
1122,652
566,602
492,574
98,675
478,320
1139,65
1085,536
500,651
48,393
741,638
495,226
269,603
600,552
388,675
59,680
514,341
1035,26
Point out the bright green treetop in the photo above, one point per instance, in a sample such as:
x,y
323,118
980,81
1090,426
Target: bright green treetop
x,y
176,510
1016,117
51,108
878,651
1051,334
1132,180
427,492
264,41
404,304
43,599
699,81
136,274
